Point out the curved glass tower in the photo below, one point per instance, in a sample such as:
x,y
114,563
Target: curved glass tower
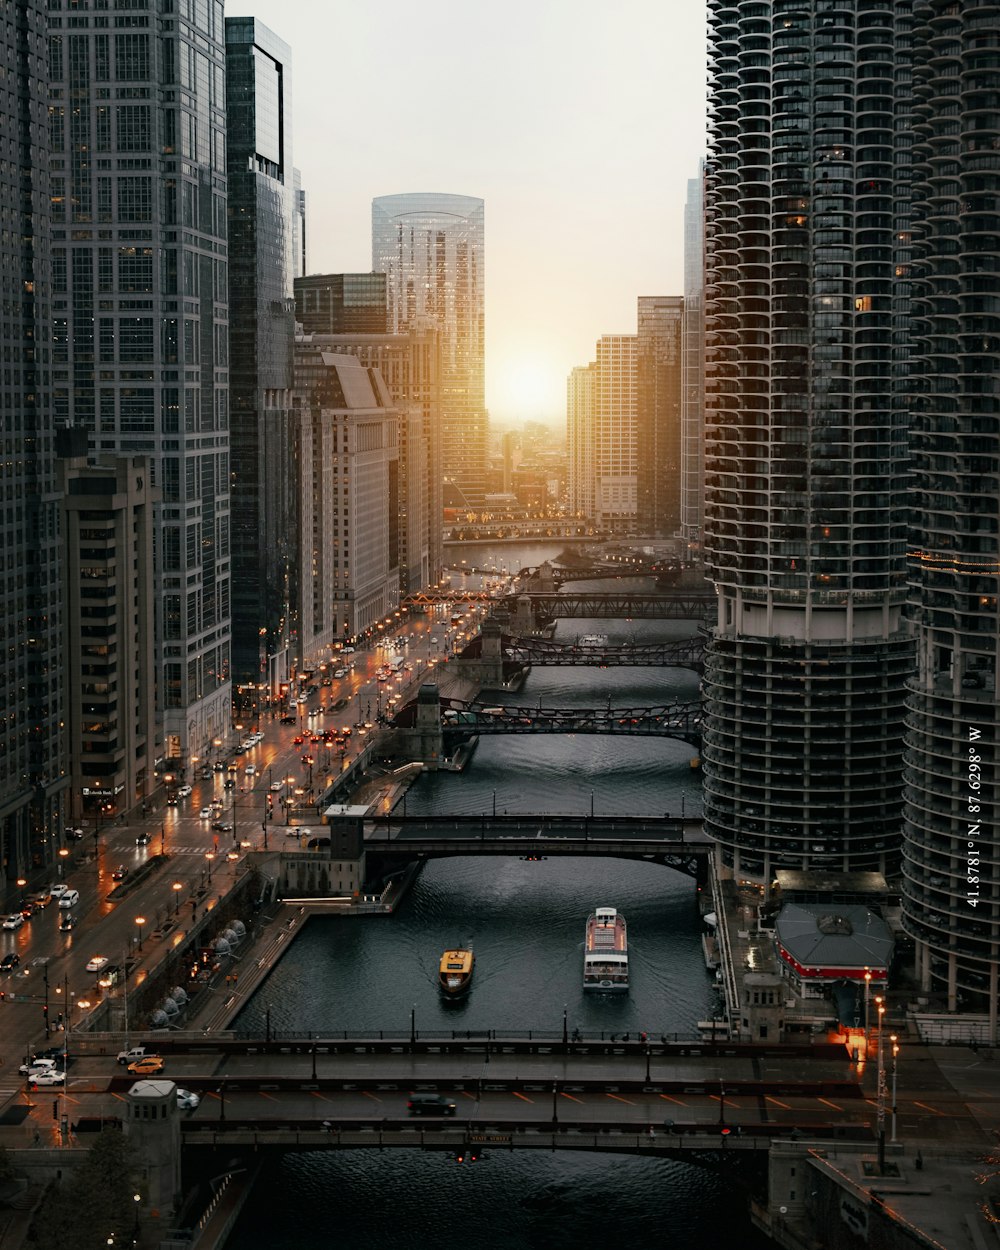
x,y
805,496
430,247
951,903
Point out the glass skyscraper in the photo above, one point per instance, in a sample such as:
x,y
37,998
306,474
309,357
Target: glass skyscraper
x,y
140,308
430,247
263,202
806,468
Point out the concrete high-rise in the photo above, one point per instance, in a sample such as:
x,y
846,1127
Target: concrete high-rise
x,y
616,403
263,201
580,387
806,290
431,249
140,309
951,887
34,777
658,415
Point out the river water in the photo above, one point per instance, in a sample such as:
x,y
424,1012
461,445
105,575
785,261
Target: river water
x,y
525,920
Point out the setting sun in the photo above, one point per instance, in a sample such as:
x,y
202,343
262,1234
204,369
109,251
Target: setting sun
x,y
527,388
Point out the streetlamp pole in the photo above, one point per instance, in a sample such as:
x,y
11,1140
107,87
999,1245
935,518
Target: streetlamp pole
x,y
868,986
880,1096
565,1026
140,921
895,1051
137,1199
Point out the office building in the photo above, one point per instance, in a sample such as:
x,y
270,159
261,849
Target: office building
x,y
342,303
346,454
951,904
658,415
110,658
34,775
431,249
693,369
580,388
806,291
616,406
140,309
262,241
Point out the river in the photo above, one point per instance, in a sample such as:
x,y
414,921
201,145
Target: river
x,y
525,921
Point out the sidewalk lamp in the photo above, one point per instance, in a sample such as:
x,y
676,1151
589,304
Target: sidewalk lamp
x,y
63,856
880,1094
177,887
895,1051
140,921
137,1199
210,856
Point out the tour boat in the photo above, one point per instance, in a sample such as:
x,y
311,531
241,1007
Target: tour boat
x,y
605,952
594,640
455,971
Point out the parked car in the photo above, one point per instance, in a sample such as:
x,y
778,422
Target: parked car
x,y
47,1077
37,1064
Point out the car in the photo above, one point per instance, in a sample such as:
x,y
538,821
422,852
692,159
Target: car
x,y
47,1077
430,1104
73,834
120,873
276,786
229,784
298,740
57,1053
59,889
251,770
187,1099
38,1063
13,921
96,963
206,813
143,839
172,800
40,899
434,639
10,961
184,791
218,766
147,1066
326,682
288,720
205,774
69,898
340,672
220,826
68,922
27,911
348,651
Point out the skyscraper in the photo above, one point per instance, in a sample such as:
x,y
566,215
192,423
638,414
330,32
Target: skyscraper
x,y
951,899
140,309
615,413
580,386
431,249
658,415
806,293
33,760
262,208
341,303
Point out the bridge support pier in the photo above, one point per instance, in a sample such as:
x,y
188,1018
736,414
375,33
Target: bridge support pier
x,y
424,741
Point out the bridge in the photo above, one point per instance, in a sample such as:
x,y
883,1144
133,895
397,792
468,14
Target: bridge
x,y
663,840
461,719
624,605
544,652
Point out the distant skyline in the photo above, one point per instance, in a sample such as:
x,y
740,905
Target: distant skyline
x,y
577,124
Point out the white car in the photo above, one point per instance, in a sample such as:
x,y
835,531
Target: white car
x,y
38,1064
340,672
276,786
205,814
46,1077
97,963
59,889
13,921
183,792
251,770
187,1099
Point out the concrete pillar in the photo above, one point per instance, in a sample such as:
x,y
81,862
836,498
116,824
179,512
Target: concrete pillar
x,y
523,622
429,741
491,662
153,1127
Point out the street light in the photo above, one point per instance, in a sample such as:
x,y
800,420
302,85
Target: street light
x,y
177,887
210,856
137,1199
140,921
895,1051
868,986
880,1096
63,855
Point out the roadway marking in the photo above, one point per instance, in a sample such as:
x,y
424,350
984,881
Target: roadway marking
x,y
730,1102
828,1103
523,1097
679,1101
120,1097
373,1097
321,1097
571,1097
271,1097
627,1101
934,1110
777,1102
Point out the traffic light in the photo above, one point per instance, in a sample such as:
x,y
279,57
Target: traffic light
x,y
459,1156
724,1130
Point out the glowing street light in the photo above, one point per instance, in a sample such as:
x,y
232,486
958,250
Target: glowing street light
x,y
177,887
140,921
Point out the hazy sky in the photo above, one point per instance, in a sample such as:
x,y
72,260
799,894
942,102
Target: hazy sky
x,y
577,121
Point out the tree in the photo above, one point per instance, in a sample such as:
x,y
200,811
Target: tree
x,y
94,1202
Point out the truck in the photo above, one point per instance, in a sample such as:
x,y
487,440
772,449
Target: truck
x,y
134,1054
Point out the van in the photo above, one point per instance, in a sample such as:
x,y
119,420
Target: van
x,y
430,1104
70,898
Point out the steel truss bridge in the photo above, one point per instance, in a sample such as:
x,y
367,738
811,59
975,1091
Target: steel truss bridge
x,y
685,605
461,719
663,840
544,652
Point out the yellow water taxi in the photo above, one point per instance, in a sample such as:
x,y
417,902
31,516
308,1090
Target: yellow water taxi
x,y
455,971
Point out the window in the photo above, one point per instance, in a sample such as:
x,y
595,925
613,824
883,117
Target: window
x,y
135,269
133,127
131,57
135,339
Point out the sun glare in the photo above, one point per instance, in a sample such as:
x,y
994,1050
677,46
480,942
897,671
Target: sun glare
x,y
528,388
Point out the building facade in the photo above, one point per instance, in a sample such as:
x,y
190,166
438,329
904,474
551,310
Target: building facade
x,y
951,880
347,455
658,415
431,249
110,653
261,231
806,300
616,410
580,387
34,776
140,308
342,303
